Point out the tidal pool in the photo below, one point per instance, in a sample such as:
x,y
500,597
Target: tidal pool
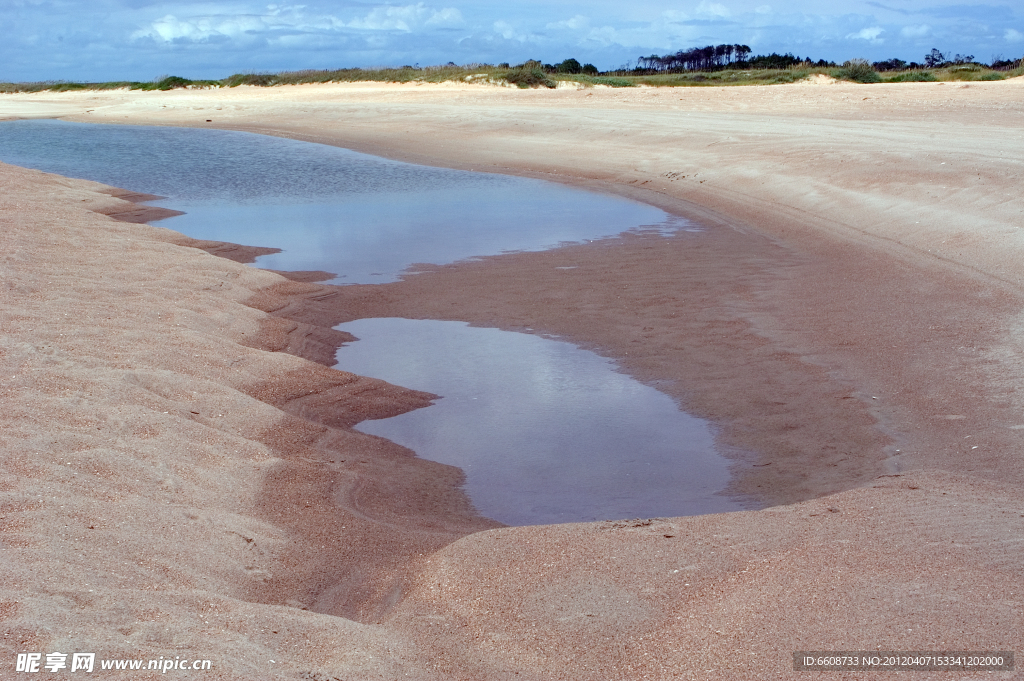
x,y
544,431
364,218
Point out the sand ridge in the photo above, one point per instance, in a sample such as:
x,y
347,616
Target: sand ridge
x,y
872,235
148,422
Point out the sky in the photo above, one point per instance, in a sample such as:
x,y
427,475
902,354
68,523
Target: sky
x,y
107,40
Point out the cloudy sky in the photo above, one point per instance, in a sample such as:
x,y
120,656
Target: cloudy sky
x,y
144,39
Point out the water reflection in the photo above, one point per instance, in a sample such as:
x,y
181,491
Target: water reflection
x,y
545,432
365,218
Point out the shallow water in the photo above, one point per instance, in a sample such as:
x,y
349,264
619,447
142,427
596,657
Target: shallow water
x,y
544,431
364,218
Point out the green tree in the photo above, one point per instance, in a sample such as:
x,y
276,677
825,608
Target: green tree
x,y
569,66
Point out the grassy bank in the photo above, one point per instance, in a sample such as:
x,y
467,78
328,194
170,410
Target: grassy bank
x,y
532,74
793,74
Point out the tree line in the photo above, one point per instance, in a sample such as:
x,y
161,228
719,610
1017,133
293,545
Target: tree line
x,y
695,59
933,60
718,57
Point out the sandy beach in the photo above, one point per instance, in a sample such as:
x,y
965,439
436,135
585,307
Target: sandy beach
x,y
181,477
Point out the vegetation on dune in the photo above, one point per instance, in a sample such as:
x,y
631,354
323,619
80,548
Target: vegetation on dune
x,y
177,83
530,74
730,77
733,65
859,71
705,66
259,79
912,77
163,83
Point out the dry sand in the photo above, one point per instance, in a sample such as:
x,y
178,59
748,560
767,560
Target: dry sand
x,y
180,479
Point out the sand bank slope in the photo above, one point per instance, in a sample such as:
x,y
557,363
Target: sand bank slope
x,y
165,477
915,562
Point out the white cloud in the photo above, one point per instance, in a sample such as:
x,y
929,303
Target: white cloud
x,y
281,9
916,31
408,18
1012,35
200,29
449,17
712,9
505,29
293,18
605,35
764,9
509,32
577,23
391,18
868,34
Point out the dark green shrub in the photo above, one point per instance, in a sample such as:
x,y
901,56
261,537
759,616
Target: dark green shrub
x,y
914,77
590,69
790,76
890,65
570,66
64,87
613,82
529,75
114,85
173,83
261,79
859,71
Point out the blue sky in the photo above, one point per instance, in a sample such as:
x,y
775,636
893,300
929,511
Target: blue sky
x,y
144,39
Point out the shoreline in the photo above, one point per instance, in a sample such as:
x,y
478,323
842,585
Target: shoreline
x,y
931,346
767,468
302,311
861,440
723,382
768,465
988,295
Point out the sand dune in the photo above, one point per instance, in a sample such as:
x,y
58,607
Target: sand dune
x,y
180,476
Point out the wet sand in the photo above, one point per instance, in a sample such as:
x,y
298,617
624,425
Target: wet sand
x,y
850,320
